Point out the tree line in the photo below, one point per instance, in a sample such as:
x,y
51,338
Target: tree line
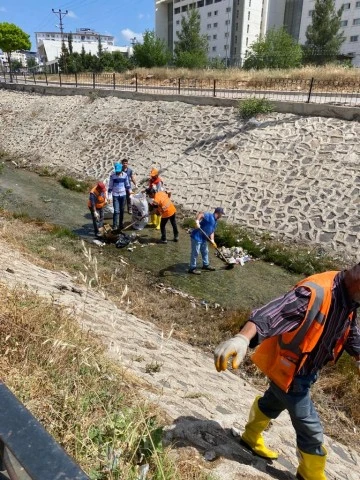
x,y
276,49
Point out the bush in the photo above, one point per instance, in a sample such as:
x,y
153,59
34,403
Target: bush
x,y
253,106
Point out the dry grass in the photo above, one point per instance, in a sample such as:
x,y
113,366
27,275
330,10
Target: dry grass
x,y
333,396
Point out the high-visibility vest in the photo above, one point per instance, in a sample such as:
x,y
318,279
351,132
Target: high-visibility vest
x,y
281,357
100,199
164,205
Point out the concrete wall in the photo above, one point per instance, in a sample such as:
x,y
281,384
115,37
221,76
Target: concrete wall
x,y
297,108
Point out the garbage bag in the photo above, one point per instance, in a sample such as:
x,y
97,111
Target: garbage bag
x,y
140,211
108,211
123,240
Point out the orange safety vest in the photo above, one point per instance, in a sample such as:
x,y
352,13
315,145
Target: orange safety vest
x,y
281,357
100,199
164,205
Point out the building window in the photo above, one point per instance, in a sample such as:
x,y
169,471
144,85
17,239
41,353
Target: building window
x,y
209,14
357,5
346,6
215,25
214,37
235,50
226,34
235,38
226,47
343,23
200,4
214,49
247,30
356,21
215,12
184,8
248,15
354,38
177,10
209,37
228,9
209,2
249,3
217,1
247,41
208,26
177,22
310,13
227,22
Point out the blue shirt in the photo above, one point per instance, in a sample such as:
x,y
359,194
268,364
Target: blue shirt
x,y
128,172
208,223
118,184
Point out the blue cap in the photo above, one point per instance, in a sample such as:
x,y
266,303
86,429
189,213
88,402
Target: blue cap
x,y
117,167
219,210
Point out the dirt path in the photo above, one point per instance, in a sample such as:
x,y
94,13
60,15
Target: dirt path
x,y
202,404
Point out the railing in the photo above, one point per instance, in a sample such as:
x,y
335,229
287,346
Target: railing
x,y
27,451
335,92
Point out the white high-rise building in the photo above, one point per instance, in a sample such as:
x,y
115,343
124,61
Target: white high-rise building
x,y
231,26
350,22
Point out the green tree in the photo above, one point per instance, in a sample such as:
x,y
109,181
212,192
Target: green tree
x,y
324,36
16,65
191,48
31,63
70,43
12,38
64,60
152,52
120,62
277,49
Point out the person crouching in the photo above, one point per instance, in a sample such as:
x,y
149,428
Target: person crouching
x,y
166,209
96,204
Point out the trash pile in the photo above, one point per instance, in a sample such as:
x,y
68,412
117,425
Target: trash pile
x,y
235,255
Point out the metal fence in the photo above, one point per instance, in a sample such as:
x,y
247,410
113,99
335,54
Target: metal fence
x,y
312,90
27,451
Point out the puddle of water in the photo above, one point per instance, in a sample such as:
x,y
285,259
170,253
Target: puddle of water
x,y
242,287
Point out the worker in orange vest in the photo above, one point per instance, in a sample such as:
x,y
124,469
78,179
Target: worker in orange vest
x,y
164,207
297,334
96,204
155,182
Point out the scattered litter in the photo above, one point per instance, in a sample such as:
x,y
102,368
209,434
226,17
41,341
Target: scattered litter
x,y
235,432
10,270
51,248
193,301
99,243
143,471
235,255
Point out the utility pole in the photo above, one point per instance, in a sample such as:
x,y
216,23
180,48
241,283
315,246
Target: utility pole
x,y
61,14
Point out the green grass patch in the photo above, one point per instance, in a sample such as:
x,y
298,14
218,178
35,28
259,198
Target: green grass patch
x,y
75,185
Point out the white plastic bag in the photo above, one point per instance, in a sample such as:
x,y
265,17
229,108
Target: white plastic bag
x,y
140,211
108,211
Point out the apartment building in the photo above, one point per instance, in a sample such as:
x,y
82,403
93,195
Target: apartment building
x,y
350,22
19,55
48,44
231,26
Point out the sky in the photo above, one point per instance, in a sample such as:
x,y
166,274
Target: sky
x,y
125,19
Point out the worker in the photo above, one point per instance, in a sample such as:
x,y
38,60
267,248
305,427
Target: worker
x,y
207,222
96,204
298,334
164,207
155,182
132,179
119,185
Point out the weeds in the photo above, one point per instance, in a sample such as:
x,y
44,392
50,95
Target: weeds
x,y
76,185
153,367
254,106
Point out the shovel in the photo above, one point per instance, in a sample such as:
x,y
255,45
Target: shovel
x,y
229,265
133,223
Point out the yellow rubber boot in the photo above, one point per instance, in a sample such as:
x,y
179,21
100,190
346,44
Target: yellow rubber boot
x,y
157,222
152,220
311,467
253,429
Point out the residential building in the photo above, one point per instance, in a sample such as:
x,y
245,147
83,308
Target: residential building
x,y
19,55
350,24
49,44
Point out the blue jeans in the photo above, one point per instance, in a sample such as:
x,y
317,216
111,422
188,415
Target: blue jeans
x,y
97,223
297,401
119,208
196,248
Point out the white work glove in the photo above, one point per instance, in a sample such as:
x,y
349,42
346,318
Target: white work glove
x,y
197,223
236,347
97,216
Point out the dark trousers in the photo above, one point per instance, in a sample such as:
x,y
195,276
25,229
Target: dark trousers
x,y
100,223
128,202
119,207
173,224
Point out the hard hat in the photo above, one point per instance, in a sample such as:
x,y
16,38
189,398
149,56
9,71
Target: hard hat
x,y
101,186
154,172
117,167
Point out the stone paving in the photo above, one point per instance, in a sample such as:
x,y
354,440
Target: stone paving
x,y
203,405
298,177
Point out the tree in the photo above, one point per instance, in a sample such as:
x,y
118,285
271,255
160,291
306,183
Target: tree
x,y
324,36
121,63
12,38
31,63
16,65
191,47
152,52
277,49
70,43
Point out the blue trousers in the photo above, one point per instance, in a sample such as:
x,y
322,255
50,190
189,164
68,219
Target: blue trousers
x,y
196,248
119,208
304,417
